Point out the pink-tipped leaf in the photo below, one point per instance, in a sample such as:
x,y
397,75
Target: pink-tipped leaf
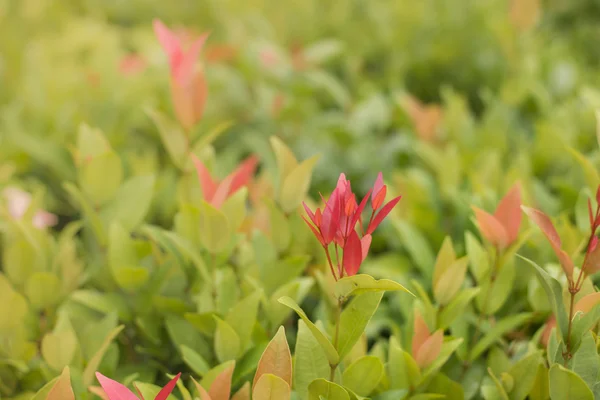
x,y
491,229
509,213
114,390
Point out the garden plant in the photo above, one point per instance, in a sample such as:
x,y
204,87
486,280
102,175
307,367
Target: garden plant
x,y
249,199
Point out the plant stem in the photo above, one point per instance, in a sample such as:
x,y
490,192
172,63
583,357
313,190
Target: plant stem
x,y
336,337
567,356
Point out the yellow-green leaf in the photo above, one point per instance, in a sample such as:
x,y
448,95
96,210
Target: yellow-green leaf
x,y
296,184
92,367
234,208
363,375
214,228
565,384
332,355
271,387
363,283
227,341
286,161
446,256
590,172
321,388
43,289
450,281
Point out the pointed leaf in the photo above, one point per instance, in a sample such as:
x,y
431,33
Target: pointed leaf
x,y
363,375
61,390
363,283
114,390
565,384
276,359
296,184
323,389
354,320
92,366
310,361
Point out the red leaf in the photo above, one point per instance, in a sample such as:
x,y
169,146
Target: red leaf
x,y
222,193
590,212
491,229
330,220
167,389
242,175
352,254
509,213
182,67
315,231
598,195
209,186
379,198
311,215
382,214
360,210
377,187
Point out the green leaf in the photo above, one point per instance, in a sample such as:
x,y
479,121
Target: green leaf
x,y
443,385
280,233
478,257
586,362
362,283
403,372
234,208
271,387
44,290
92,366
274,275
590,172
88,210
331,353
450,281
227,341
321,388
541,386
501,392
286,161
566,385
297,289
417,246
554,292
204,322
172,136
354,320
582,324
58,348
524,373
182,333
456,307
310,360
131,202
493,296
214,228
11,317
363,375
194,360
242,317
448,347
100,177
227,290
207,139
123,259
105,303
296,184
499,329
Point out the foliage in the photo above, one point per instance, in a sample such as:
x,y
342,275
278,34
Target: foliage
x,y
158,179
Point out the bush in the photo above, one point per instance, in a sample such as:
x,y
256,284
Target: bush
x,y
164,232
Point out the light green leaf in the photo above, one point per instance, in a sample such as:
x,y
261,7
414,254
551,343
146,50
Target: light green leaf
x,y
554,292
131,202
500,328
310,360
89,211
194,360
403,372
363,375
321,388
443,385
524,373
450,281
363,283
586,362
214,228
541,386
172,136
234,208
150,391
100,177
331,353
478,257
501,392
227,341
456,307
493,296
286,161
92,366
354,320
295,185
417,246
589,170
58,348
566,385
242,317
280,233
43,289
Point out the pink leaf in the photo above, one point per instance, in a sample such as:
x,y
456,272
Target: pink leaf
x,y
311,215
509,213
222,193
377,187
167,39
114,390
183,68
315,231
167,389
590,212
586,303
379,198
365,244
242,175
382,214
352,254
491,229
330,220
209,186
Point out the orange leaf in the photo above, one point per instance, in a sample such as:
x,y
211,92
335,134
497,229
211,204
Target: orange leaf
x,y
586,303
62,388
276,359
421,334
220,389
547,227
491,229
592,264
430,350
203,393
509,213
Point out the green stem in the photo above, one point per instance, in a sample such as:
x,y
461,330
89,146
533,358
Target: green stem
x,y
567,356
336,337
